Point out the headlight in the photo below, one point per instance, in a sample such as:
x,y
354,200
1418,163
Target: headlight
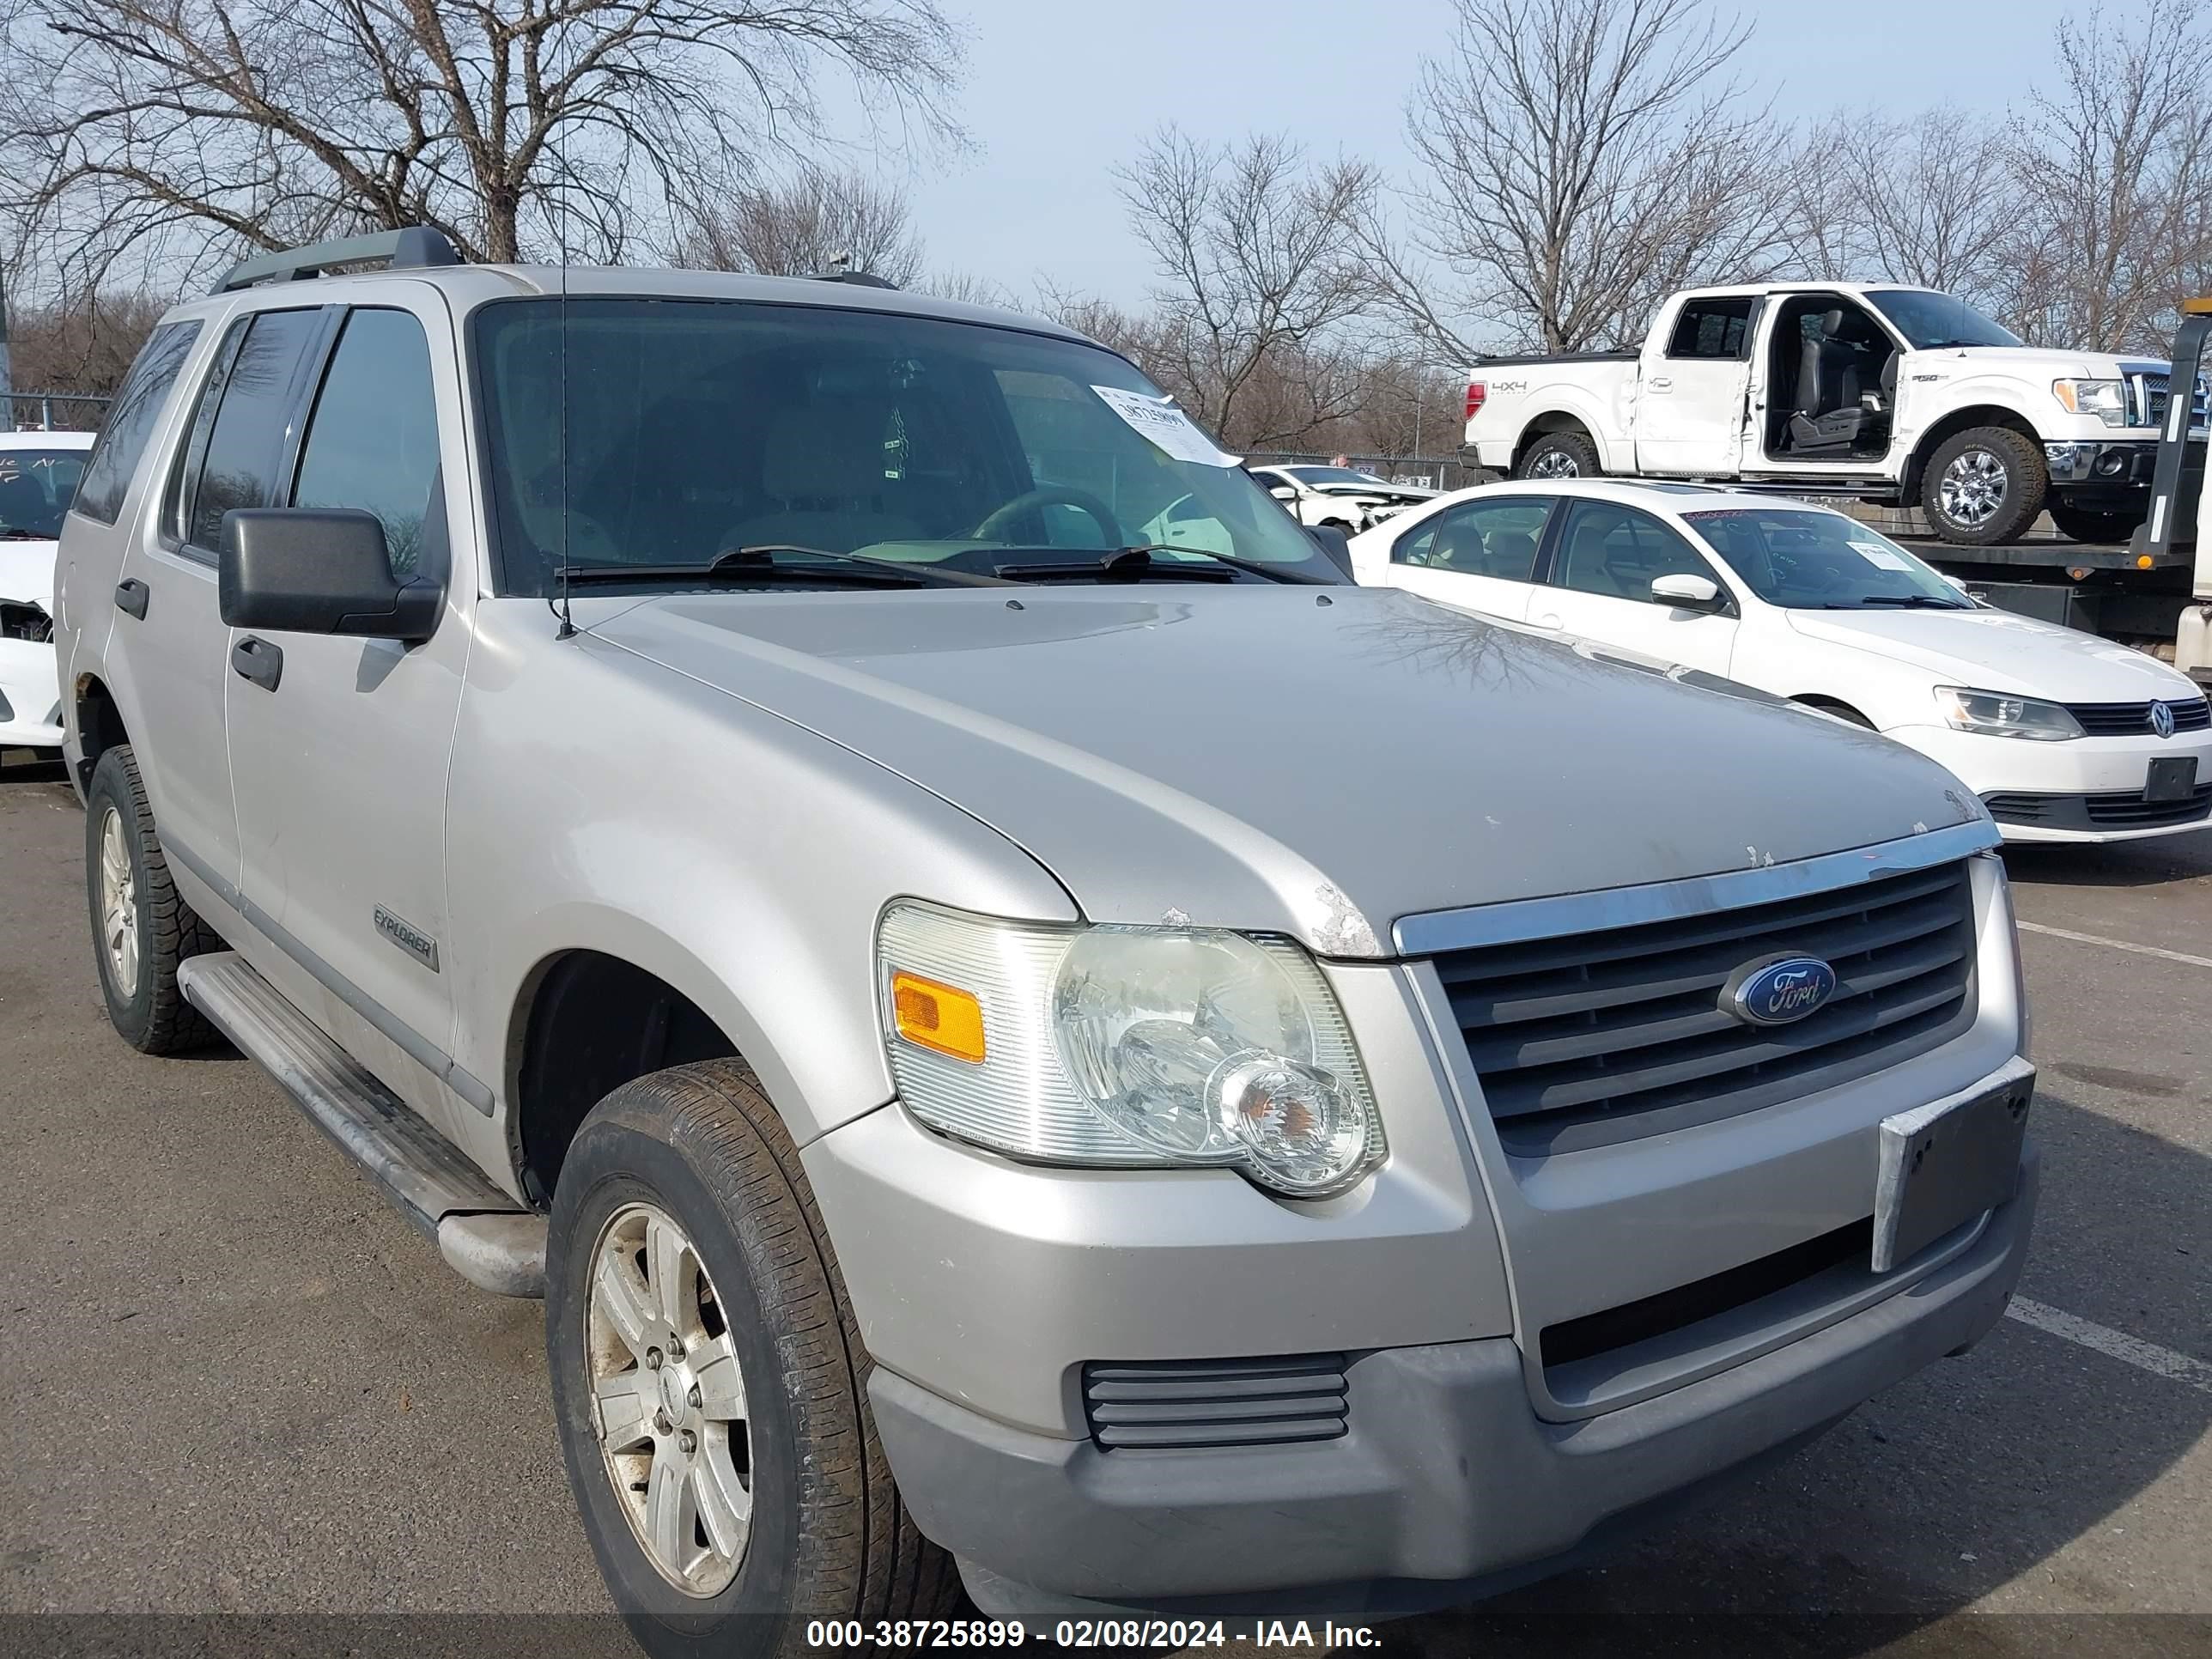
x,y
2106,399
1116,1046
1999,715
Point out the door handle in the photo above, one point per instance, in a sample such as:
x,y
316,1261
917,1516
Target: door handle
x,y
130,597
1662,384
257,660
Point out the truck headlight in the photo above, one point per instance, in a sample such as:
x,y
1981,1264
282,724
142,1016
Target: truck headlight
x,y
2106,399
1999,715
1118,1046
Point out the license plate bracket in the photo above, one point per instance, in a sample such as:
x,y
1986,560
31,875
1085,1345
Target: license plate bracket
x,y
2172,777
1943,1164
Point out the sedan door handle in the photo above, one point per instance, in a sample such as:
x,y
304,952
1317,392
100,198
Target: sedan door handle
x,y
130,597
1661,385
257,660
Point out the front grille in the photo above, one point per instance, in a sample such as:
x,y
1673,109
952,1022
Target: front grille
x,y
2126,810
2149,396
1184,1405
1602,1037
2132,720
25,622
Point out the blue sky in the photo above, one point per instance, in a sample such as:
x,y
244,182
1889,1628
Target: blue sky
x,y
1057,94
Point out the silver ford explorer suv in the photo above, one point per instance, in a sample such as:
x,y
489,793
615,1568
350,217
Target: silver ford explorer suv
x,y
1026,1034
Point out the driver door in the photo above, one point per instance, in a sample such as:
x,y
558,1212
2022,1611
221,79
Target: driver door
x,y
1599,588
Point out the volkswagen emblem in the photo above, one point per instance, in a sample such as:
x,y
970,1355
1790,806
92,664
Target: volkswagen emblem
x,y
1777,990
2161,718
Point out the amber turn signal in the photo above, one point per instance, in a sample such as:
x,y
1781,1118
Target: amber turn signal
x,y
938,1016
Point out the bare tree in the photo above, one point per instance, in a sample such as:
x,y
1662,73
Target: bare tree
x,y
1252,245
804,224
512,126
1581,156
2114,176
1930,200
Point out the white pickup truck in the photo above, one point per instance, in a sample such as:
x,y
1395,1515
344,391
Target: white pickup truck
x,y
1895,394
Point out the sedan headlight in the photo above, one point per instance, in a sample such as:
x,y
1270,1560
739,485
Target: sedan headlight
x,y
1999,715
2106,399
1114,1046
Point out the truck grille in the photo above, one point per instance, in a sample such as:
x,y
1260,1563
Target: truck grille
x,y
1182,1404
1601,1038
2129,720
2149,396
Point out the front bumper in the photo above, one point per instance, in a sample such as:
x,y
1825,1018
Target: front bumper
x,y
30,695
2107,463
2061,774
1446,1486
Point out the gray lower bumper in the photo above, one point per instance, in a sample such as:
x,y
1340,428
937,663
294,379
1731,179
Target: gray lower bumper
x,y
1447,1487
2122,463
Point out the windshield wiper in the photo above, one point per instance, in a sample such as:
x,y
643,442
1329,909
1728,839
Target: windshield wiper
x,y
1258,568
757,566
15,532
1905,601
1121,564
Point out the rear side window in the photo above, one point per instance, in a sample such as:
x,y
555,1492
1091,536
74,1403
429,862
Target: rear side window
x,y
1711,328
1481,538
1619,552
372,443
246,445
131,420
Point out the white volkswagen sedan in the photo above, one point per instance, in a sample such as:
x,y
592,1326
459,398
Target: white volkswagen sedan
x,y
39,474
2065,736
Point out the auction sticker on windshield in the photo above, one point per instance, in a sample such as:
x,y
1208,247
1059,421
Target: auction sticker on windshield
x,y
1167,427
1878,555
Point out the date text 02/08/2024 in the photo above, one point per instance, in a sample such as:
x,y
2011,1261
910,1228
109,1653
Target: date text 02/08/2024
x,y
1168,1634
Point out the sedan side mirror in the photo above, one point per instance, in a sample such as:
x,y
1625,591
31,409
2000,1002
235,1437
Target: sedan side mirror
x,y
319,570
1687,593
1282,492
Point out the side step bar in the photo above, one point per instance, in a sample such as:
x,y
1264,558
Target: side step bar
x,y
483,1235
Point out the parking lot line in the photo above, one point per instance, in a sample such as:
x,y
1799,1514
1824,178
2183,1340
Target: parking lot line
x,y
2114,1345
2116,944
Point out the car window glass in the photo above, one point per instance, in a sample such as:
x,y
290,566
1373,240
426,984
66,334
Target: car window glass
x,y
1480,539
35,487
1619,552
131,421
372,440
247,442
1711,328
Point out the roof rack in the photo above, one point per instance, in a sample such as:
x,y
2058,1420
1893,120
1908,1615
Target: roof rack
x,y
413,248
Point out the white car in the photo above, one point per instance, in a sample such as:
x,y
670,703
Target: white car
x,y
1352,501
2064,737
39,474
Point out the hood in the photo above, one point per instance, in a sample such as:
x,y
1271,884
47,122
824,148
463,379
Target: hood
x,y
1318,763
2042,363
27,572
1403,494
1997,650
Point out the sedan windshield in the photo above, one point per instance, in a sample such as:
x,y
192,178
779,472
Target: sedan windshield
x,y
1930,320
1803,558
650,437
36,487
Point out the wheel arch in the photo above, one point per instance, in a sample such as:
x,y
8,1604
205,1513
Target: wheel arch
x,y
1962,420
1566,416
99,722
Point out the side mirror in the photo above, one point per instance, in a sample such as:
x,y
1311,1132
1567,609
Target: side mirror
x,y
1282,492
319,570
1334,544
1687,593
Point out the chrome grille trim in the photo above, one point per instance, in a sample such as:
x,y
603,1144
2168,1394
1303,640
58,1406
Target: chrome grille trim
x,y
1514,920
2128,719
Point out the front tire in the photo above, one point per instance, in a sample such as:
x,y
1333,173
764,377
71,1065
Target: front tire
x,y
1559,455
142,928
2083,524
748,1495
1984,486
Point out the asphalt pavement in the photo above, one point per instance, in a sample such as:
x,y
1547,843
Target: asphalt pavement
x,y
237,1383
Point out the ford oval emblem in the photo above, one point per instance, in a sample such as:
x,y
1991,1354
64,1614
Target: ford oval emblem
x,y
1775,990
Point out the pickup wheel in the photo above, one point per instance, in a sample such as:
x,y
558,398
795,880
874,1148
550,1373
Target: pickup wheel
x,y
709,1382
2081,523
142,929
1984,486
1559,455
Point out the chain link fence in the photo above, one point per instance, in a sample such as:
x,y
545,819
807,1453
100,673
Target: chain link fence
x,y
56,411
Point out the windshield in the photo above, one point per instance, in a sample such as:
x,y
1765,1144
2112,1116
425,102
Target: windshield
x,y
36,487
1928,320
694,428
1331,475
1807,559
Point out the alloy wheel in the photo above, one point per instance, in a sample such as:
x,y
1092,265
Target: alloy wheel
x,y
1554,463
668,1400
118,905
1973,488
